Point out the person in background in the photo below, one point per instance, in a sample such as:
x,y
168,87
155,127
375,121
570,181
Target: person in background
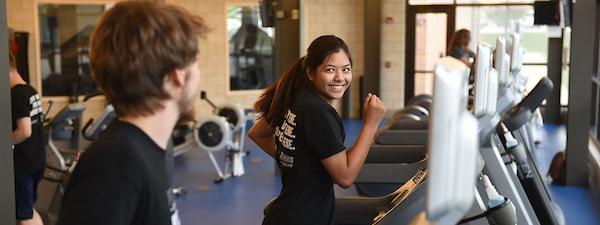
x,y
144,58
28,140
459,46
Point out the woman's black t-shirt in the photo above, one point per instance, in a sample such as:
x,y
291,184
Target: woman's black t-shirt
x,y
121,179
460,53
310,131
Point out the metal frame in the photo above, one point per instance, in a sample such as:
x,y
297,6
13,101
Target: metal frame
x,y
595,116
287,36
584,33
555,50
372,56
7,188
506,182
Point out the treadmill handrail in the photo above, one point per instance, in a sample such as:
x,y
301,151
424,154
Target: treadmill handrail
x,y
523,112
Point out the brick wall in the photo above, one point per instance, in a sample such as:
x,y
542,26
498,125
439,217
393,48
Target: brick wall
x,y
393,34
345,19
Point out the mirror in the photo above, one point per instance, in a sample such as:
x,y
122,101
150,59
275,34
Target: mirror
x,y
64,35
250,49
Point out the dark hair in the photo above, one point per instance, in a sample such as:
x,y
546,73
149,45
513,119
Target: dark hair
x,y
279,97
135,45
459,39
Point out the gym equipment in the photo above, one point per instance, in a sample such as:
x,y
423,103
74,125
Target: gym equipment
x,y
516,62
517,187
451,194
504,154
59,163
92,128
388,168
486,84
453,147
516,122
517,201
417,109
487,78
499,209
485,91
225,131
403,132
409,125
536,124
507,97
502,62
403,204
398,146
64,121
527,134
484,107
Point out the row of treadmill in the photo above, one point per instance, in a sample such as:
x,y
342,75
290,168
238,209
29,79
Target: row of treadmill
x,y
462,156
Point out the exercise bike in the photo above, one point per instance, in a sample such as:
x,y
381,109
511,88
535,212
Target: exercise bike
x,y
223,131
92,128
60,162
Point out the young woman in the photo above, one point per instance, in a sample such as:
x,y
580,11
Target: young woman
x,y
459,46
305,135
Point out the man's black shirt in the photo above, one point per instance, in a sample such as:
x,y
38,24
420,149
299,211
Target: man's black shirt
x,y
121,179
310,132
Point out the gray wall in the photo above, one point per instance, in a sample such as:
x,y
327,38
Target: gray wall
x,y
372,49
287,36
7,186
583,38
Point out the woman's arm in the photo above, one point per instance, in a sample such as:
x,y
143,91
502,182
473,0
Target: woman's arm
x,y
344,167
262,134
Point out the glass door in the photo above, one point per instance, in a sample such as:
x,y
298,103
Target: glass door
x,y
428,34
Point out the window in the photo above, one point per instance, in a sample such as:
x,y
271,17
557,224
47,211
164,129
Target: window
x,y
566,66
65,31
250,49
430,46
487,23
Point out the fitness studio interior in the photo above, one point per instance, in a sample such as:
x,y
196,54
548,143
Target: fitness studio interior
x,y
247,112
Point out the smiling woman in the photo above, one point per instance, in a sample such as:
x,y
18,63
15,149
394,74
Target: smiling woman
x,y
333,77
303,132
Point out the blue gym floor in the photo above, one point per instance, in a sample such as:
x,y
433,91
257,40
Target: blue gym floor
x,y
240,200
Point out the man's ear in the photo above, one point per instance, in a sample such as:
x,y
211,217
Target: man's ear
x,y
177,77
